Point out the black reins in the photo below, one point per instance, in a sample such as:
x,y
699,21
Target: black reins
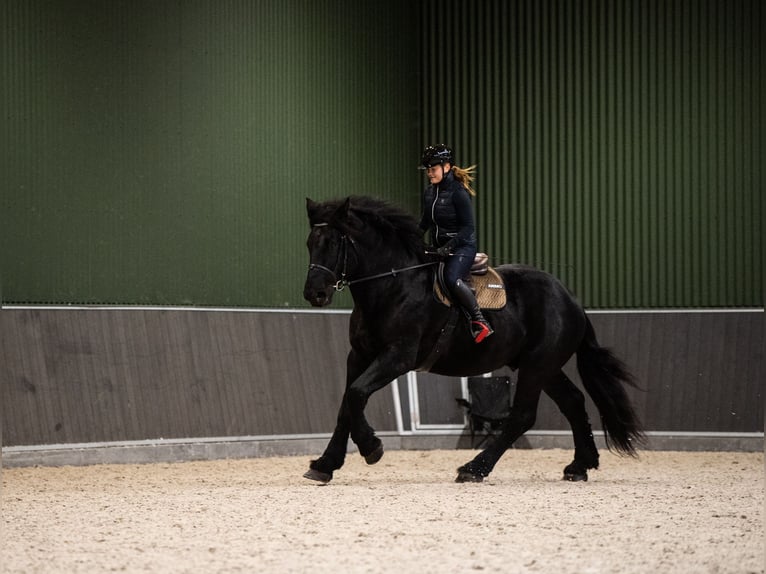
x,y
342,283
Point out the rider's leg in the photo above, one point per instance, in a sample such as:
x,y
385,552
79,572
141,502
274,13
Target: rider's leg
x,y
457,267
480,328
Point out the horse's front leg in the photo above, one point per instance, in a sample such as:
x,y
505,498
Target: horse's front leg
x,y
388,366
334,455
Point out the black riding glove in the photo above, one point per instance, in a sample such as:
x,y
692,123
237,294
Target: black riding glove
x,y
443,251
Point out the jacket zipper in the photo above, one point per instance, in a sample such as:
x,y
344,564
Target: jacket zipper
x,y
433,218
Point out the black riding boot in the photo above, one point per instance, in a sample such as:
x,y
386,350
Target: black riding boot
x,y
480,328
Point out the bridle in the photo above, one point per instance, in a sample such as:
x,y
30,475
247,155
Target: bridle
x,y
339,284
342,283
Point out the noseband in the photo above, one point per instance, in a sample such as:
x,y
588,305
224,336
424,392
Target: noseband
x,y
342,283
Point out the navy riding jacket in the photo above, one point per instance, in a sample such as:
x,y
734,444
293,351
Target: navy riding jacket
x,y
448,214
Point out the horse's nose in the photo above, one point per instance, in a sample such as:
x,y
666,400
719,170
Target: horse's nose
x,y
317,297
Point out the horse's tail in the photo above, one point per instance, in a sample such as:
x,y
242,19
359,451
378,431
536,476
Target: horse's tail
x,y
603,376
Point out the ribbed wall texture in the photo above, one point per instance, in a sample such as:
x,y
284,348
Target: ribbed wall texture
x,y
160,152
619,144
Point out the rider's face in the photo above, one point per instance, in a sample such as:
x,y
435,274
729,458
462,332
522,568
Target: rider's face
x,y
436,173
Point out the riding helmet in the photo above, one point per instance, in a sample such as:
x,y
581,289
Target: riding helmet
x,y
436,155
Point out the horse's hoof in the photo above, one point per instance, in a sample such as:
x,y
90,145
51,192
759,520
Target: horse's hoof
x,y
465,476
375,455
318,475
575,476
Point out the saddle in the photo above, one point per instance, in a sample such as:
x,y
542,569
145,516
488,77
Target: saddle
x,y
485,282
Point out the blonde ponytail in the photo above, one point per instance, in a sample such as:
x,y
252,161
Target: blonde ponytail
x,y
465,176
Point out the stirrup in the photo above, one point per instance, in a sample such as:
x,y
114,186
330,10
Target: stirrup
x,y
480,330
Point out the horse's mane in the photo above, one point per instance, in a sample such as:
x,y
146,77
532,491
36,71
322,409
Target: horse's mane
x,y
388,220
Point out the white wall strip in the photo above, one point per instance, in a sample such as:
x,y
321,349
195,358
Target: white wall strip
x,y
184,309
337,311
673,311
326,436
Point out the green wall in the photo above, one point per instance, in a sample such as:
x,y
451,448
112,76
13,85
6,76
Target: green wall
x,y
158,152
619,143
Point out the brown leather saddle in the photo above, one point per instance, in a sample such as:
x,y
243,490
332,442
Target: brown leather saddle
x,y
485,281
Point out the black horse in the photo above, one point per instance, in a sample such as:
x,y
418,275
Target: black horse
x,y
397,325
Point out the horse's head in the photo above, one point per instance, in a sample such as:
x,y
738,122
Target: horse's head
x,y
356,236
328,250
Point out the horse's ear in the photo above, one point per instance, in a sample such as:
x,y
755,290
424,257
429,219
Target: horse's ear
x,y
341,214
345,208
312,207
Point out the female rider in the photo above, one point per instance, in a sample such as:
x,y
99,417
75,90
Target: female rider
x,y
448,214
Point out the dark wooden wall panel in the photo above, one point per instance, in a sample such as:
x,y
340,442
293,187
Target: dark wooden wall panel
x,y
112,375
71,376
699,371
436,397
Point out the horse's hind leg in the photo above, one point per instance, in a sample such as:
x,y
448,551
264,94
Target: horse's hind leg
x,y
571,402
521,419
